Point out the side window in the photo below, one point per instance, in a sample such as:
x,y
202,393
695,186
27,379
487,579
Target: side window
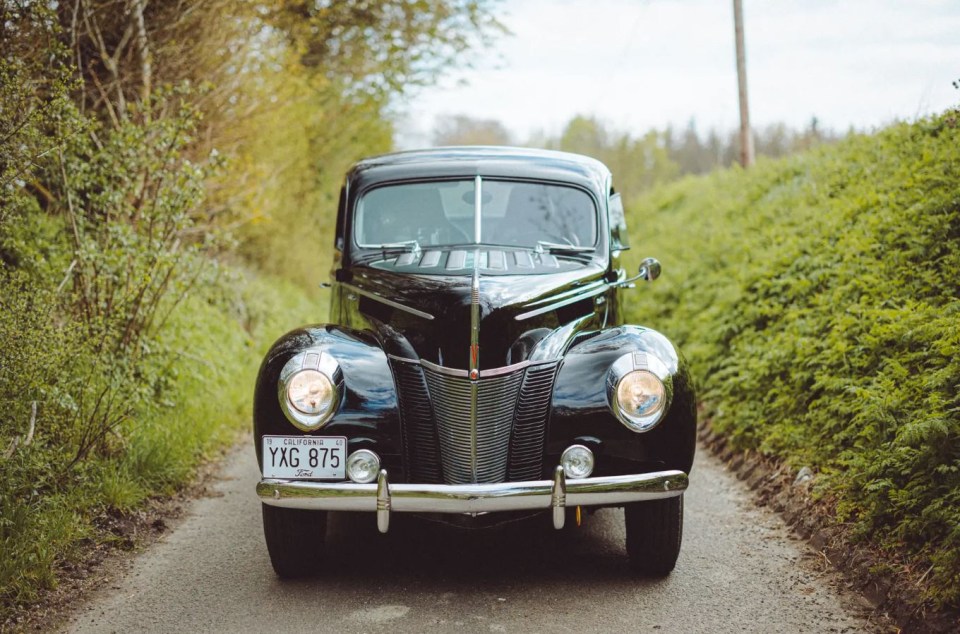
x,y
619,238
341,218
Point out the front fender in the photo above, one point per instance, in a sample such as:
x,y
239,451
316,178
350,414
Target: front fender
x,y
367,413
581,411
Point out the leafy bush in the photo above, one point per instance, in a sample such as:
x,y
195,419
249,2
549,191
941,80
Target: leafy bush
x,y
98,243
818,298
110,220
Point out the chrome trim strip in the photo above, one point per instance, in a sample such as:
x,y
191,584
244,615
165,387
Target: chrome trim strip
x,y
560,304
475,321
388,302
442,369
472,498
477,203
553,345
565,294
474,374
490,372
474,392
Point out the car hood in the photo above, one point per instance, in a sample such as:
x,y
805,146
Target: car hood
x,y
428,316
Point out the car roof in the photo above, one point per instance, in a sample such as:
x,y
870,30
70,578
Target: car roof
x,y
489,161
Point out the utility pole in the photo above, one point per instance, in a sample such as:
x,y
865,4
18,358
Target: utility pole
x,y
746,138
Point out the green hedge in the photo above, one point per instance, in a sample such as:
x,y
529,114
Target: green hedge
x,y
213,348
818,298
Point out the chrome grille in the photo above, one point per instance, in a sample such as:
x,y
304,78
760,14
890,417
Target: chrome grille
x,y
422,462
514,410
496,404
530,426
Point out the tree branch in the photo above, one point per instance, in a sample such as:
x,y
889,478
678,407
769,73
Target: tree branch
x,y
143,51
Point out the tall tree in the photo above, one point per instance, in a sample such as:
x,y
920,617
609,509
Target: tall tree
x,y
464,130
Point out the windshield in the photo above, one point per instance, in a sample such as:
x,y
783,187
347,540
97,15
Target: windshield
x,y
441,213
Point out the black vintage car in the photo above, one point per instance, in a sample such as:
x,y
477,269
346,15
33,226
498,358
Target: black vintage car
x,y
475,367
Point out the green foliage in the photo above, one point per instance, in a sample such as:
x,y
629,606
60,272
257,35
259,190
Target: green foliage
x,y
464,130
378,49
215,344
128,348
637,164
818,298
285,179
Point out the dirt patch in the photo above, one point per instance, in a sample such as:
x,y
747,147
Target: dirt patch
x,y
121,536
890,585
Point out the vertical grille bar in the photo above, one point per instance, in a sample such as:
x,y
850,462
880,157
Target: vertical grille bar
x,y
451,401
421,450
441,443
530,424
496,403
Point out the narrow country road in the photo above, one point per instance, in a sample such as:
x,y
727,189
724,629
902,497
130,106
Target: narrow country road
x,y
739,571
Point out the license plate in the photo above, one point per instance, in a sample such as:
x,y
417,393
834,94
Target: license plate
x,y
305,457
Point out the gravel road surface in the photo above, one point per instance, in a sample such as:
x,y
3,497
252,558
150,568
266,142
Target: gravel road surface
x,y
739,571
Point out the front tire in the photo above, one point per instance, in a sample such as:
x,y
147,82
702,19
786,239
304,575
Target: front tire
x,y
654,533
295,540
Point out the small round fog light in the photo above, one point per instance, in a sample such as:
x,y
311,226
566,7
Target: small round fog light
x,y
363,466
577,462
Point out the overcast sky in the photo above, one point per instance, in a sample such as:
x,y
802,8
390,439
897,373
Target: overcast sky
x,y
641,64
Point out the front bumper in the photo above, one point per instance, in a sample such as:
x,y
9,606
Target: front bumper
x,y
555,494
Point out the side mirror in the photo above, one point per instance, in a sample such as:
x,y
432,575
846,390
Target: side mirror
x,y
650,269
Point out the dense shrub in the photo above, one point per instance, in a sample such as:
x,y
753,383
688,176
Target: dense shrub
x,y
819,299
99,242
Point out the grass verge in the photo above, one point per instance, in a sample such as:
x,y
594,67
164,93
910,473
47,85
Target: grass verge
x,y
50,515
818,299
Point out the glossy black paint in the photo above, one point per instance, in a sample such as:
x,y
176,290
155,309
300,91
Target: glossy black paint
x,y
445,339
580,407
367,415
571,312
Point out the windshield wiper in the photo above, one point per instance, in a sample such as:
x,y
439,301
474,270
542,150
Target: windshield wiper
x,y
406,246
555,248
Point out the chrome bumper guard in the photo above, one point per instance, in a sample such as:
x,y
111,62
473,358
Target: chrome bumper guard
x,y
556,494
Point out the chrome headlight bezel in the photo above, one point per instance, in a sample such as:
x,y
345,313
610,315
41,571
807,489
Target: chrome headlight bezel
x,y
629,364
310,361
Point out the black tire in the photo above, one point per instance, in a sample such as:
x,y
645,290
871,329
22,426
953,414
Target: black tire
x,y
654,533
295,540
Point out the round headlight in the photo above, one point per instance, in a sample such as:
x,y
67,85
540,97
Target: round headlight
x,y
641,398
310,392
363,466
577,462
